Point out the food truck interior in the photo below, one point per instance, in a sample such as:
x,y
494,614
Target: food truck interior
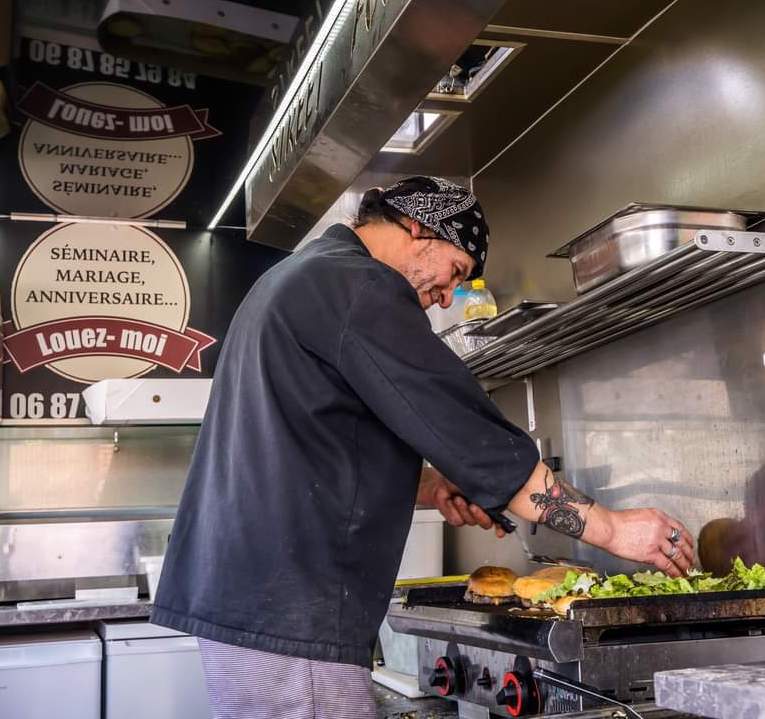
x,y
159,155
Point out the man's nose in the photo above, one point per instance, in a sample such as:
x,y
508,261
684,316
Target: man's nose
x,y
446,297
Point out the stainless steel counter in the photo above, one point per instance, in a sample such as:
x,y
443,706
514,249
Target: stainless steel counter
x,y
728,691
10,616
391,705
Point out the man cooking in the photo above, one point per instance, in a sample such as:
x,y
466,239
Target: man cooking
x,y
329,391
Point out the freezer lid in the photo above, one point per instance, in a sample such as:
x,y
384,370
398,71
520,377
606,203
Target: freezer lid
x,y
118,630
27,651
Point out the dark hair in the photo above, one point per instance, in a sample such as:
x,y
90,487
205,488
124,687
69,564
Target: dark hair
x,y
373,208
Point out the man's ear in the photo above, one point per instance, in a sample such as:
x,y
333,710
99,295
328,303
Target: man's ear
x,y
417,230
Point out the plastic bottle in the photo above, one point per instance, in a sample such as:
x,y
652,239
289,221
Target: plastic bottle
x,y
442,319
479,303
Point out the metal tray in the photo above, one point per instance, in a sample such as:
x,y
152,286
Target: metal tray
x,y
462,339
509,320
638,234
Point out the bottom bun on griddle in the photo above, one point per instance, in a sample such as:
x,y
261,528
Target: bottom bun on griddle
x,y
491,585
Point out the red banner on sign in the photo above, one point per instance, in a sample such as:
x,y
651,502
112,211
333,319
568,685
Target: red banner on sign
x,y
56,109
104,336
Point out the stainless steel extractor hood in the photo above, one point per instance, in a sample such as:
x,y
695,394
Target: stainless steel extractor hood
x,y
377,61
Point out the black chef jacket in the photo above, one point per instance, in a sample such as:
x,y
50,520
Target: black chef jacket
x,y
329,390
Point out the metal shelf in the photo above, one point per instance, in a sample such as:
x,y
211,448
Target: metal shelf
x,y
716,264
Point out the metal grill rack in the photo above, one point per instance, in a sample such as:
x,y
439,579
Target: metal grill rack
x,y
716,264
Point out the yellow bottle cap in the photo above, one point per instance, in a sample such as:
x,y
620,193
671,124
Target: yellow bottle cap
x,y
478,284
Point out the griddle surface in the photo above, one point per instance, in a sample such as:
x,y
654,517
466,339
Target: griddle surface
x,y
620,611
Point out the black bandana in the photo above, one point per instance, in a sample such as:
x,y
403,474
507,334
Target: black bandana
x,y
451,211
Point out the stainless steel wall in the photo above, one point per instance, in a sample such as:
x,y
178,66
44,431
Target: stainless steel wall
x,y
79,509
675,116
83,470
672,416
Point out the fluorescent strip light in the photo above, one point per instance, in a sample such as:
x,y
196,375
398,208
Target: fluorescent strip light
x,y
289,95
83,219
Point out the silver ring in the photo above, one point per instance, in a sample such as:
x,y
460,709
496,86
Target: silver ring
x,y
675,536
672,552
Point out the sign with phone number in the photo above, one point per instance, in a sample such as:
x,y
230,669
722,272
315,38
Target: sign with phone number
x,y
98,135
87,302
35,405
102,63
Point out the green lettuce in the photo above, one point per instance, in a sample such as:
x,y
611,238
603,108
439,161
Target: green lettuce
x,y
584,583
641,590
710,584
574,583
678,585
650,579
617,586
743,577
649,583
660,583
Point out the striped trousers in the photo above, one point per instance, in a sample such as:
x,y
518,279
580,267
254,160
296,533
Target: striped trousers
x,y
246,683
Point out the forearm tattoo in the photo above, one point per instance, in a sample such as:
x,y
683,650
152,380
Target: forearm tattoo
x,y
560,506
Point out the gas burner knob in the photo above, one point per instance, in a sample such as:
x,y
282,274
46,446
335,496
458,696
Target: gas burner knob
x,y
443,678
519,694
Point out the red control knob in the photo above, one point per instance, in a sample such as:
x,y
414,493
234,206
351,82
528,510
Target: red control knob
x,y
444,677
519,694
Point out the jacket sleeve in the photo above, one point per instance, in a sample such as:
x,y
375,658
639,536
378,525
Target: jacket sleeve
x,y
425,394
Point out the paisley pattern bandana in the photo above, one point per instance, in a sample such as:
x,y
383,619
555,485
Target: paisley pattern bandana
x,y
451,211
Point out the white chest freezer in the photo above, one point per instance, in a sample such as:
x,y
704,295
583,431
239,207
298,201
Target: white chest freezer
x,y
50,675
151,672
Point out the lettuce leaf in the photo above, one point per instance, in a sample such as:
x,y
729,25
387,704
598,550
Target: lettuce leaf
x,y
559,590
574,583
584,583
710,584
743,577
641,591
756,577
679,585
617,586
650,579
650,583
